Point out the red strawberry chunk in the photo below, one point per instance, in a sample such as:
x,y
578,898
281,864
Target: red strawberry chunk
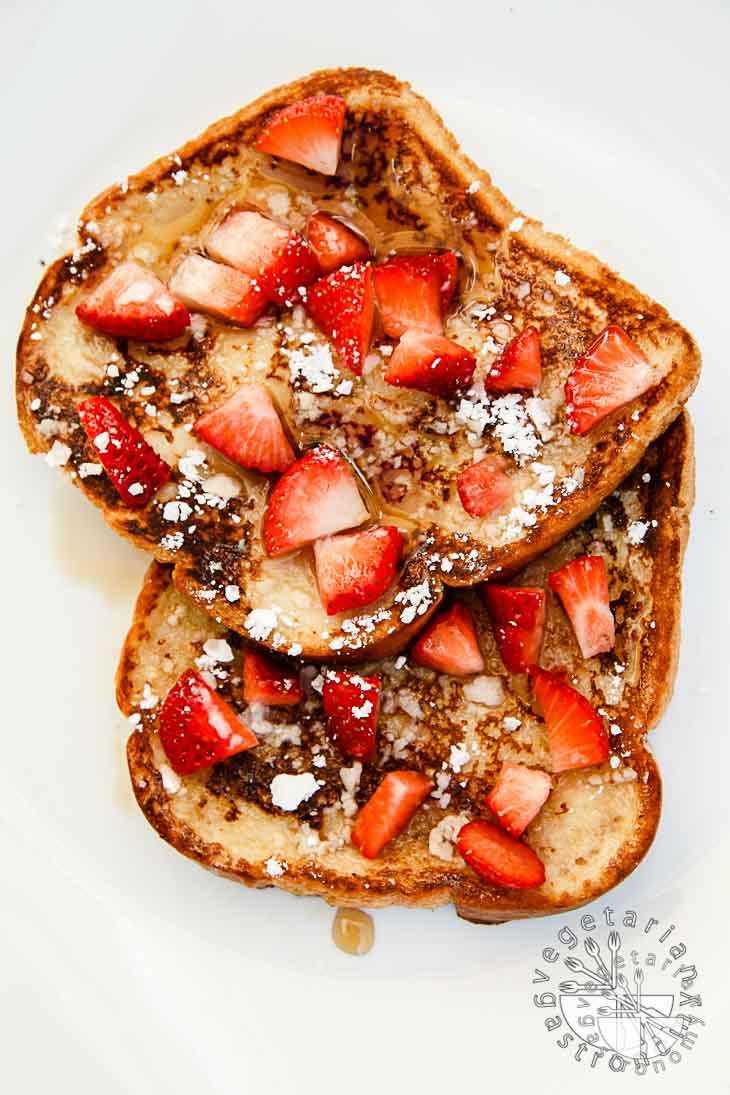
x,y
414,291
266,680
484,487
576,736
351,703
519,366
317,496
279,259
248,430
430,363
221,291
132,303
449,643
308,132
611,373
499,858
334,244
518,622
295,268
388,810
582,586
355,569
131,463
342,304
518,796
198,728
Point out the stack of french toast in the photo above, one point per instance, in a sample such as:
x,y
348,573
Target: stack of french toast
x,y
415,476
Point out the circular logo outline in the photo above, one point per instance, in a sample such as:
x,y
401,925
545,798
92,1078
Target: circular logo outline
x,y
621,992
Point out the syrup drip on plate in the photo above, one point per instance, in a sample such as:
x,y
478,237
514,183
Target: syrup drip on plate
x,y
353,931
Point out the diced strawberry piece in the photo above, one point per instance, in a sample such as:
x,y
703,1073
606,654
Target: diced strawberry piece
x,y
582,586
351,704
611,373
317,496
430,363
295,268
265,680
576,736
308,132
342,304
518,622
206,286
334,244
408,298
449,643
414,291
388,810
132,303
248,430
518,796
131,463
355,569
198,728
247,240
498,857
519,366
279,259
483,487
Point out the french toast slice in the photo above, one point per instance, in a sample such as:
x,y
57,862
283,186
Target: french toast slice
x,y
597,823
403,185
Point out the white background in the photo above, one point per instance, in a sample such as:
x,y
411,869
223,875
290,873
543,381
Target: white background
x,y
126,969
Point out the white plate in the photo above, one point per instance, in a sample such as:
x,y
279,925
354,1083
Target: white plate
x,y
125,968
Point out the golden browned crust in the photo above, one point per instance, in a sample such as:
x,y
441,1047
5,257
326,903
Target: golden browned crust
x,y
401,883
531,253
405,874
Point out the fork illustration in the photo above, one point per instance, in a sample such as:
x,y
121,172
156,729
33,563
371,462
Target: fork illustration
x,y
576,966
638,982
614,945
631,1013
621,995
579,986
594,951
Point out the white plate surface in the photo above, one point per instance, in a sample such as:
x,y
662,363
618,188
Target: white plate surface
x,y
125,968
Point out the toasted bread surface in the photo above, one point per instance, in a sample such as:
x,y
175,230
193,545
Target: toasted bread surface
x,y
405,185
598,822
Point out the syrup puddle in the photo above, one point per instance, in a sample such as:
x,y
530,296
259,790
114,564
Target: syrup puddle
x,y
353,931
87,552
